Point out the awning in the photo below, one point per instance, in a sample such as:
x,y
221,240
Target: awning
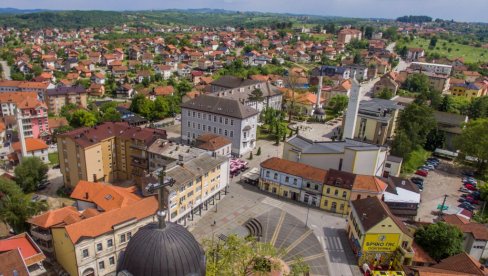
x,y
252,174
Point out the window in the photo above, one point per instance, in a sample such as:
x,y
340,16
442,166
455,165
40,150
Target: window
x,y
287,179
99,247
110,243
215,118
220,119
328,191
193,114
344,194
267,173
273,190
341,207
336,192
85,253
101,265
308,184
198,126
129,235
198,114
245,134
220,131
387,165
111,260
226,121
231,122
405,244
122,238
316,187
275,176
285,193
231,133
326,202
295,181
188,123
225,132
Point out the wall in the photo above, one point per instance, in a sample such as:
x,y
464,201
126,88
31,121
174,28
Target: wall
x,y
65,251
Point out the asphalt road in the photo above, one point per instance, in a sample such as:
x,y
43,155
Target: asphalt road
x,y
6,69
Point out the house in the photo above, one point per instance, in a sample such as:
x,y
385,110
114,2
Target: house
x,y
385,83
451,125
475,242
35,148
164,70
33,114
96,90
331,71
414,54
125,91
441,69
20,255
378,236
439,82
92,245
461,264
468,90
347,155
358,72
227,117
471,76
61,96
402,197
215,144
393,166
163,91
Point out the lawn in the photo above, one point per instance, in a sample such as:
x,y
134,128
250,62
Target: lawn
x,y
415,159
264,134
470,54
53,158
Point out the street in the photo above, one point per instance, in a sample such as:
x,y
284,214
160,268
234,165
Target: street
x,y
6,69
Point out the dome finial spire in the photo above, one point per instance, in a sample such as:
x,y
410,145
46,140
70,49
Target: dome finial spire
x,y
162,183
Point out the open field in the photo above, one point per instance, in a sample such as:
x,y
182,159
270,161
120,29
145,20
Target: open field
x,y
470,54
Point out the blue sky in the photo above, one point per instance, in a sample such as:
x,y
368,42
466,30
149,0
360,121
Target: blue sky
x,y
460,10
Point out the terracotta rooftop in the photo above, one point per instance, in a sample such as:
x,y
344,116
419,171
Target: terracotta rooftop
x,y
420,255
11,261
210,141
28,248
369,183
463,263
294,168
32,144
105,196
479,231
16,97
53,217
104,222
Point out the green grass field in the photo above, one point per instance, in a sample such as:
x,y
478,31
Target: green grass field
x,y
53,158
470,54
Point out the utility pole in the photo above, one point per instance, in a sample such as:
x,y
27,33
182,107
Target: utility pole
x,y
442,206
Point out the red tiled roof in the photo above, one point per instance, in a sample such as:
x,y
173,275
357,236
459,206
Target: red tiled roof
x,y
32,144
294,168
53,217
28,249
104,195
12,261
210,141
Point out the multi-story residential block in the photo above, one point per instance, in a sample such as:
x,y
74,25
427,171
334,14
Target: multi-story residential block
x,y
475,242
346,35
60,96
241,89
164,153
468,90
378,236
198,183
30,109
222,116
358,72
105,152
441,69
25,86
331,71
376,120
347,155
438,82
35,148
92,244
415,53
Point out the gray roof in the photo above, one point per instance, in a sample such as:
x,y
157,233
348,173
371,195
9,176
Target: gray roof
x,y
309,146
378,109
63,90
221,106
449,118
233,82
169,251
243,96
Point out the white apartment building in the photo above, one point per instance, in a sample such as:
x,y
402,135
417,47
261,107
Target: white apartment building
x,y
441,69
222,116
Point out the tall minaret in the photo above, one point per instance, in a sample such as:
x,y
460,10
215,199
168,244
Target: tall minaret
x,y
352,110
319,92
21,132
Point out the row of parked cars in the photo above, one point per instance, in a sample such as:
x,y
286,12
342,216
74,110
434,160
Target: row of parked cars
x,y
470,197
430,164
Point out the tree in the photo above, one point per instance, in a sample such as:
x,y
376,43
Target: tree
x,y
29,173
358,59
473,142
478,108
417,83
385,93
338,104
111,115
417,121
446,105
435,139
37,70
239,256
440,240
82,118
401,145
433,42
15,207
184,87
256,96
368,32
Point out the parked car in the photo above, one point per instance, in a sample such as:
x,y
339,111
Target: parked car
x,y
470,180
432,163
416,180
468,206
476,195
434,159
429,166
470,187
424,168
471,200
467,173
464,190
422,173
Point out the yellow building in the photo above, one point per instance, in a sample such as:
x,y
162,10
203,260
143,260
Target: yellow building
x,y
468,90
377,237
108,152
341,187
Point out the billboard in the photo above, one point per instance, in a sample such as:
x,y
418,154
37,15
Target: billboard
x,y
381,242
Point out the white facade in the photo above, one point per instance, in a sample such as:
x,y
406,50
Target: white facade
x,y
441,69
242,132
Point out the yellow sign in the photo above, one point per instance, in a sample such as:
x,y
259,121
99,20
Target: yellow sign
x,y
381,242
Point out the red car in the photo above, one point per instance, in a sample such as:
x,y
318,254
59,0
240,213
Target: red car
x,y
471,200
422,173
470,187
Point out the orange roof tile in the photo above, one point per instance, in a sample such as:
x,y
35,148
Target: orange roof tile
x,y
28,248
369,183
104,222
104,195
53,217
420,255
32,144
16,97
294,168
210,141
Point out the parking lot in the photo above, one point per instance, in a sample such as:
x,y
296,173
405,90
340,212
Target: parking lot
x,y
444,180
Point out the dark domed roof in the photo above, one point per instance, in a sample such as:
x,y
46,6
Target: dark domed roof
x,y
319,111
171,250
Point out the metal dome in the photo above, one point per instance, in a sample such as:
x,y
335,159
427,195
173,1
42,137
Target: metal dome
x,y
171,250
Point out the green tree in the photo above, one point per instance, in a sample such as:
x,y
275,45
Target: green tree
x,y
15,207
479,108
417,83
435,139
417,121
385,93
440,240
29,173
256,96
183,87
473,142
82,118
446,105
111,115
37,70
433,42
402,145
338,104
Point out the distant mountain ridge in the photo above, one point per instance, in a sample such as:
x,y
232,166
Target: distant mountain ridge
x,y
20,11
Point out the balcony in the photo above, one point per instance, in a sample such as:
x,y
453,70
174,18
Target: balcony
x,y
141,163
41,234
407,253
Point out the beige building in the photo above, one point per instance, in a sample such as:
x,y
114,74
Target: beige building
x,y
108,152
92,245
346,35
60,96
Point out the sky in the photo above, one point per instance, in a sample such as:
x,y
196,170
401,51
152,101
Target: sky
x,y
459,10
